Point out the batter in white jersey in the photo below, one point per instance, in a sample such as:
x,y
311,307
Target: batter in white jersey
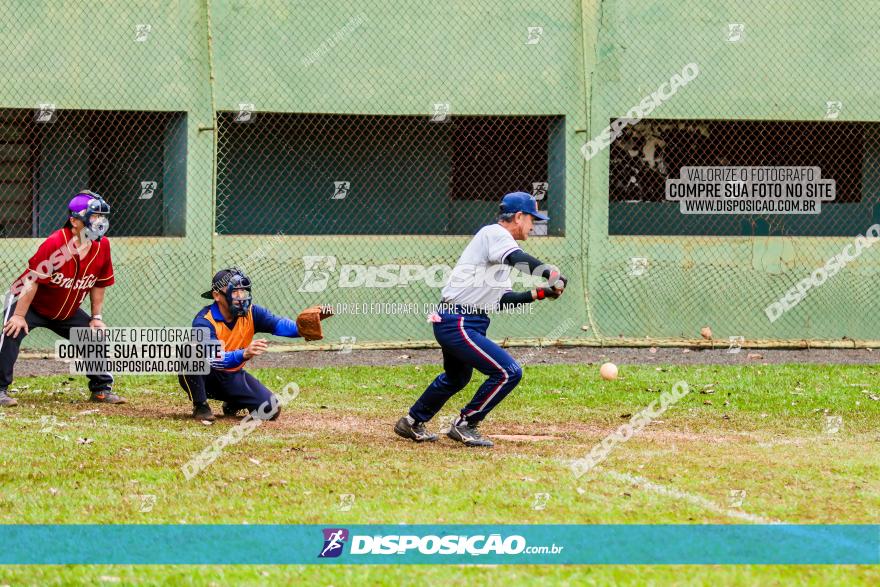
x,y
481,277
479,284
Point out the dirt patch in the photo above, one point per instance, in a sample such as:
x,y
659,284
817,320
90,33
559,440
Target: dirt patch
x,y
530,356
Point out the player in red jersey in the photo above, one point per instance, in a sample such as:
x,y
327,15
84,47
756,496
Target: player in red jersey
x,y
72,263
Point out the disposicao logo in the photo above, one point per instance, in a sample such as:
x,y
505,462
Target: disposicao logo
x,y
334,540
431,544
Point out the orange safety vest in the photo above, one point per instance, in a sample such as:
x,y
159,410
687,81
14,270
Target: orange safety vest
x,y
238,337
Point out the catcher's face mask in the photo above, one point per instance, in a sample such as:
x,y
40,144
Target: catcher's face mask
x,y
238,294
95,216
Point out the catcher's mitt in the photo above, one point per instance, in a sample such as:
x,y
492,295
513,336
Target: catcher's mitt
x,y
308,323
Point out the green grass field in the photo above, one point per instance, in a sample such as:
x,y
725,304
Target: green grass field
x,y
757,429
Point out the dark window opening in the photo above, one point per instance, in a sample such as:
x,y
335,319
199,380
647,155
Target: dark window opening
x,y
135,160
652,151
16,177
495,155
351,174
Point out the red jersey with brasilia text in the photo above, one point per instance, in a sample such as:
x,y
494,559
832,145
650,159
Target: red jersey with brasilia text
x,y
63,289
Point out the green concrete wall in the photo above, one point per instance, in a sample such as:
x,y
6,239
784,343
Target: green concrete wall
x,y
794,58
84,57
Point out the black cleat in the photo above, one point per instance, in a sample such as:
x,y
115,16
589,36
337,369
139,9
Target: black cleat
x,y
468,435
415,431
231,411
203,412
6,401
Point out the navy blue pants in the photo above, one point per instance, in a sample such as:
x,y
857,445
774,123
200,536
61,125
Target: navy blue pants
x,y
239,389
465,348
9,346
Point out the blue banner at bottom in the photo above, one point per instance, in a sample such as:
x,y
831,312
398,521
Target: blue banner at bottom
x,y
440,544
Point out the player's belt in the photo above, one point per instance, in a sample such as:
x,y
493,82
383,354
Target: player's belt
x,y
447,307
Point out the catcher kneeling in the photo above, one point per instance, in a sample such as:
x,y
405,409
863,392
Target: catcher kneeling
x,y
233,320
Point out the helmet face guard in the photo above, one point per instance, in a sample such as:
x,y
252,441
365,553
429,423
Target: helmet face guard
x,y
239,304
95,228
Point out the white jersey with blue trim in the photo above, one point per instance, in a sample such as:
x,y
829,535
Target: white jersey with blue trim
x,y
480,277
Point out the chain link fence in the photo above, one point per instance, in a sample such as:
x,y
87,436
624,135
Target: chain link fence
x,y
345,154
111,97
48,155
776,87
360,147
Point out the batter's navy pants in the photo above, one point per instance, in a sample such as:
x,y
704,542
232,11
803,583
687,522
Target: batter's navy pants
x,y
465,348
9,345
239,389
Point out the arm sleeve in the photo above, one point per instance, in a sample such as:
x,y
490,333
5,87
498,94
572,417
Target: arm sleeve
x,y
521,259
512,299
266,321
231,359
105,277
227,360
500,245
286,327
